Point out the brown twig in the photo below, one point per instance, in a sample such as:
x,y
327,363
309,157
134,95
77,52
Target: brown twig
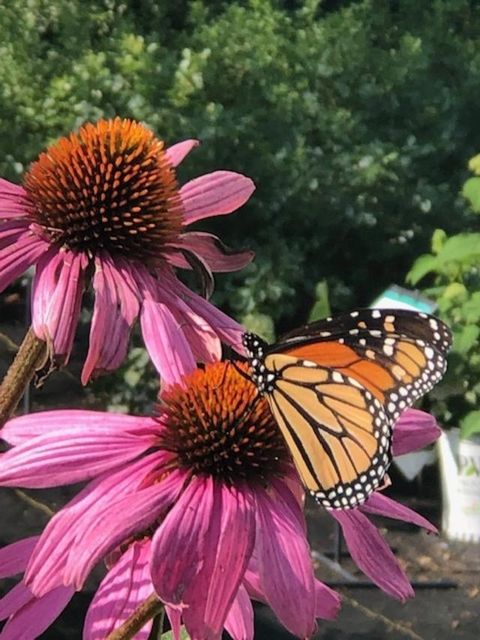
x,y
390,624
30,356
145,612
36,504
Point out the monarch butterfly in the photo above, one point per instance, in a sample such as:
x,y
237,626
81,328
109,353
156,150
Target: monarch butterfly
x,y
336,387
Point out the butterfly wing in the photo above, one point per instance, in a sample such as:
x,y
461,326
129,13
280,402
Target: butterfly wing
x,y
337,431
397,355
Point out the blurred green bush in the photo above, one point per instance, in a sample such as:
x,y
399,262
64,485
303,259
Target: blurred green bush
x,y
453,268
353,117
353,120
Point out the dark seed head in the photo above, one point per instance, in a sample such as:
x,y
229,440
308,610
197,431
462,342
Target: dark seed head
x,y
219,425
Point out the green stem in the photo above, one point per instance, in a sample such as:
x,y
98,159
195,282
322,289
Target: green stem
x,y
30,356
145,612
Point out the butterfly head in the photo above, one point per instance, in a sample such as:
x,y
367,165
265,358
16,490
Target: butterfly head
x,y
256,351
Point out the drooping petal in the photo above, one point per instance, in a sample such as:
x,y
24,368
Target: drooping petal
x,y
13,203
35,616
327,602
23,428
239,621
229,331
372,555
56,298
284,565
210,528
121,519
177,152
69,455
211,249
203,341
381,505
14,600
23,250
175,619
165,341
115,311
46,569
125,587
215,194
414,430
14,557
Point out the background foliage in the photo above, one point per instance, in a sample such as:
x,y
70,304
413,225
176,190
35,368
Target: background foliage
x,y
353,117
453,268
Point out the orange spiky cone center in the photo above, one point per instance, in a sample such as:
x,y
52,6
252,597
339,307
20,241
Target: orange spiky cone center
x,y
219,425
108,188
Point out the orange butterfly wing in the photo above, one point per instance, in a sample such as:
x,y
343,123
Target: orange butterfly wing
x,y
335,388
336,430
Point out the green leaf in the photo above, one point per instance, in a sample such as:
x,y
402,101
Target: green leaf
x,y
470,425
471,309
169,635
474,164
466,338
422,265
455,290
261,324
462,248
471,191
321,307
438,238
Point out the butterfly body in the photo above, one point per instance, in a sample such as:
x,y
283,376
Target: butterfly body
x,y
336,388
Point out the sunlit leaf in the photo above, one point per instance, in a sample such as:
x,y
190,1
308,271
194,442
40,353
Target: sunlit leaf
x,y
470,425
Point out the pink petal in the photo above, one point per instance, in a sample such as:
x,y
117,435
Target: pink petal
x,y
211,249
215,194
175,619
288,495
125,587
36,615
210,529
56,298
165,341
203,340
239,621
69,455
284,565
46,568
177,152
224,326
23,250
372,555
14,557
22,429
414,430
13,203
381,505
115,311
14,600
327,602
117,521
12,230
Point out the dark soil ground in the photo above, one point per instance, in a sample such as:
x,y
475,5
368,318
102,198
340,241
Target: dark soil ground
x,y
367,614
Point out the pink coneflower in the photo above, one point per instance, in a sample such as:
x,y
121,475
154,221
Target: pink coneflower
x,y
27,616
200,503
414,430
104,205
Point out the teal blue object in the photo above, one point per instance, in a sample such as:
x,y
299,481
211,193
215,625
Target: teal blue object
x,y
396,297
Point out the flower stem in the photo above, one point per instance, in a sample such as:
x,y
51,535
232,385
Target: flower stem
x,y
145,612
30,356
